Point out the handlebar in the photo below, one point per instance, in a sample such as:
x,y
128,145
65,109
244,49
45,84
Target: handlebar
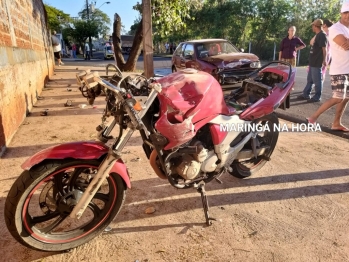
x,y
125,97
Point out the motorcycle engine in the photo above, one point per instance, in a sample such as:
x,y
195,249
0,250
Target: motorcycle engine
x,y
189,166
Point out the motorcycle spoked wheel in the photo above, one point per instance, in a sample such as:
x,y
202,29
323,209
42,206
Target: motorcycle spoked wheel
x,y
39,203
247,168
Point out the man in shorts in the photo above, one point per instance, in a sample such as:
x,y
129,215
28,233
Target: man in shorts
x,y
56,46
339,70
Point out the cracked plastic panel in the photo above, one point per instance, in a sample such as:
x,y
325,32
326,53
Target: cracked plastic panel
x,y
187,102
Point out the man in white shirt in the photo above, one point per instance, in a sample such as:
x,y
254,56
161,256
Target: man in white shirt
x,y
339,70
87,51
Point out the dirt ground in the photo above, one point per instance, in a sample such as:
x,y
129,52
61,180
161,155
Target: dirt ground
x,y
295,209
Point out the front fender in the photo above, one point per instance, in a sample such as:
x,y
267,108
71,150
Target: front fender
x,y
78,150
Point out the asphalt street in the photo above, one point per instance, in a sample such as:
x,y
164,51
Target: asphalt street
x,y
300,109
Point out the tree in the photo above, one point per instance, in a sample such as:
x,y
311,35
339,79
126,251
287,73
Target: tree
x,y
167,17
52,17
98,19
134,27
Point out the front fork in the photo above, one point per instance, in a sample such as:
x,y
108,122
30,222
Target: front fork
x,y
93,187
103,172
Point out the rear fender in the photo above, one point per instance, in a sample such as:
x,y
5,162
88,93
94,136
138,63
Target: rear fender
x,y
78,150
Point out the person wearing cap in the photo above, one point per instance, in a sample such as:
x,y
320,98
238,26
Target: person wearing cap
x,y
327,24
339,71
289,47
317,60
56,46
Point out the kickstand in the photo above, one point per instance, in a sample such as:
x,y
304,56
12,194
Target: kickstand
x,y
201,190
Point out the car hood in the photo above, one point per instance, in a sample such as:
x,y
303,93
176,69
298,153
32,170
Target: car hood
x,y
231,60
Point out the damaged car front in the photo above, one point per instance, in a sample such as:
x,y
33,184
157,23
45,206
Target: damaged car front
x,y
229,64
217,57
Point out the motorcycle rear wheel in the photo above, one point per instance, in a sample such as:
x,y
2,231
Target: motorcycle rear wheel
x,y
252,166
38,205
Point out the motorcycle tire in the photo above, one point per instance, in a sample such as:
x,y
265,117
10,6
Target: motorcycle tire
x,y
38,204
252,166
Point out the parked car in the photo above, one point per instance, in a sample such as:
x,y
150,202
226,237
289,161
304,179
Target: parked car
x,y
218,57
108,52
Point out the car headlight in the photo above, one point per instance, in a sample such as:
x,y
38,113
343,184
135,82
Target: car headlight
x,y
255,64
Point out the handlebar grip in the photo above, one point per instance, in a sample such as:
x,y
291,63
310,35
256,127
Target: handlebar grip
x,y
136,121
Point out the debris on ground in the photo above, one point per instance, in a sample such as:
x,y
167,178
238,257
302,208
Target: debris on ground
x,y
150,210
44,112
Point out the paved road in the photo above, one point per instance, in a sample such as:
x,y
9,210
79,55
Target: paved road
x,y
299,110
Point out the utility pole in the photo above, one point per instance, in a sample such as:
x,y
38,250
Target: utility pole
x,y
88,19
147,40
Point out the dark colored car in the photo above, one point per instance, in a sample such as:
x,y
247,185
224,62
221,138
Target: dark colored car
x,y
215,56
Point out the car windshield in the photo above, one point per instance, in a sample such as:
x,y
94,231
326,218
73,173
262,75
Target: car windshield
x,y
108,47
215,48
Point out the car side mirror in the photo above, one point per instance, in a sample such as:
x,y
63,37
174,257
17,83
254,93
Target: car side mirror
x,y
242,50
189,57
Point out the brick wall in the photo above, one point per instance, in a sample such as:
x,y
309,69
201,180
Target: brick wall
x,y
26,62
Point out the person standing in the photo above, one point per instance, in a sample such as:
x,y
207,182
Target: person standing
x,y
73,48
327,24
56,46
87,51
289,47
339,71
317,59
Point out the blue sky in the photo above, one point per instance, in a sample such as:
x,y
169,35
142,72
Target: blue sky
x,y
122,7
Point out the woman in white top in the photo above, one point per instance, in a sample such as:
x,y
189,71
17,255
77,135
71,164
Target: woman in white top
x,y
56,46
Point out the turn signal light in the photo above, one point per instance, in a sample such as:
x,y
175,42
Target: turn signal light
x,y
137,106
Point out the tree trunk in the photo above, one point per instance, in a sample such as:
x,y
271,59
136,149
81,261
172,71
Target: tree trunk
x,y
120,62
130,65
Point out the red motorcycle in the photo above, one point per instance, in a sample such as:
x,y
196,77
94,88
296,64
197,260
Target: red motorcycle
x,y
70,193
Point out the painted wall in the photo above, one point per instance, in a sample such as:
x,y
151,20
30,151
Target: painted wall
x,y
26,62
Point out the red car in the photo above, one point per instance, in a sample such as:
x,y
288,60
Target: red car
x,y
218,57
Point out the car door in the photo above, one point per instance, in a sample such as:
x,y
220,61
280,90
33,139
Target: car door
x,y
178,56
188,59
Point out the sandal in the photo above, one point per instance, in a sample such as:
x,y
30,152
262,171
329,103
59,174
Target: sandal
x,y
342,129
310,121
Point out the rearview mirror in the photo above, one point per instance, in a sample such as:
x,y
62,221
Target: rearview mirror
x,y
242,50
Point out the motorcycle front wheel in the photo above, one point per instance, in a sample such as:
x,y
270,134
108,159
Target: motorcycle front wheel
x,y
267,138
38,205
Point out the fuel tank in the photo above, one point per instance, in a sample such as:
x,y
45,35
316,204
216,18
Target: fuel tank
x,y
189,99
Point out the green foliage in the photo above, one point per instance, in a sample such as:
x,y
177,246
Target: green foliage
x,y
263,23
52,16
170,16
134,27
99,21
